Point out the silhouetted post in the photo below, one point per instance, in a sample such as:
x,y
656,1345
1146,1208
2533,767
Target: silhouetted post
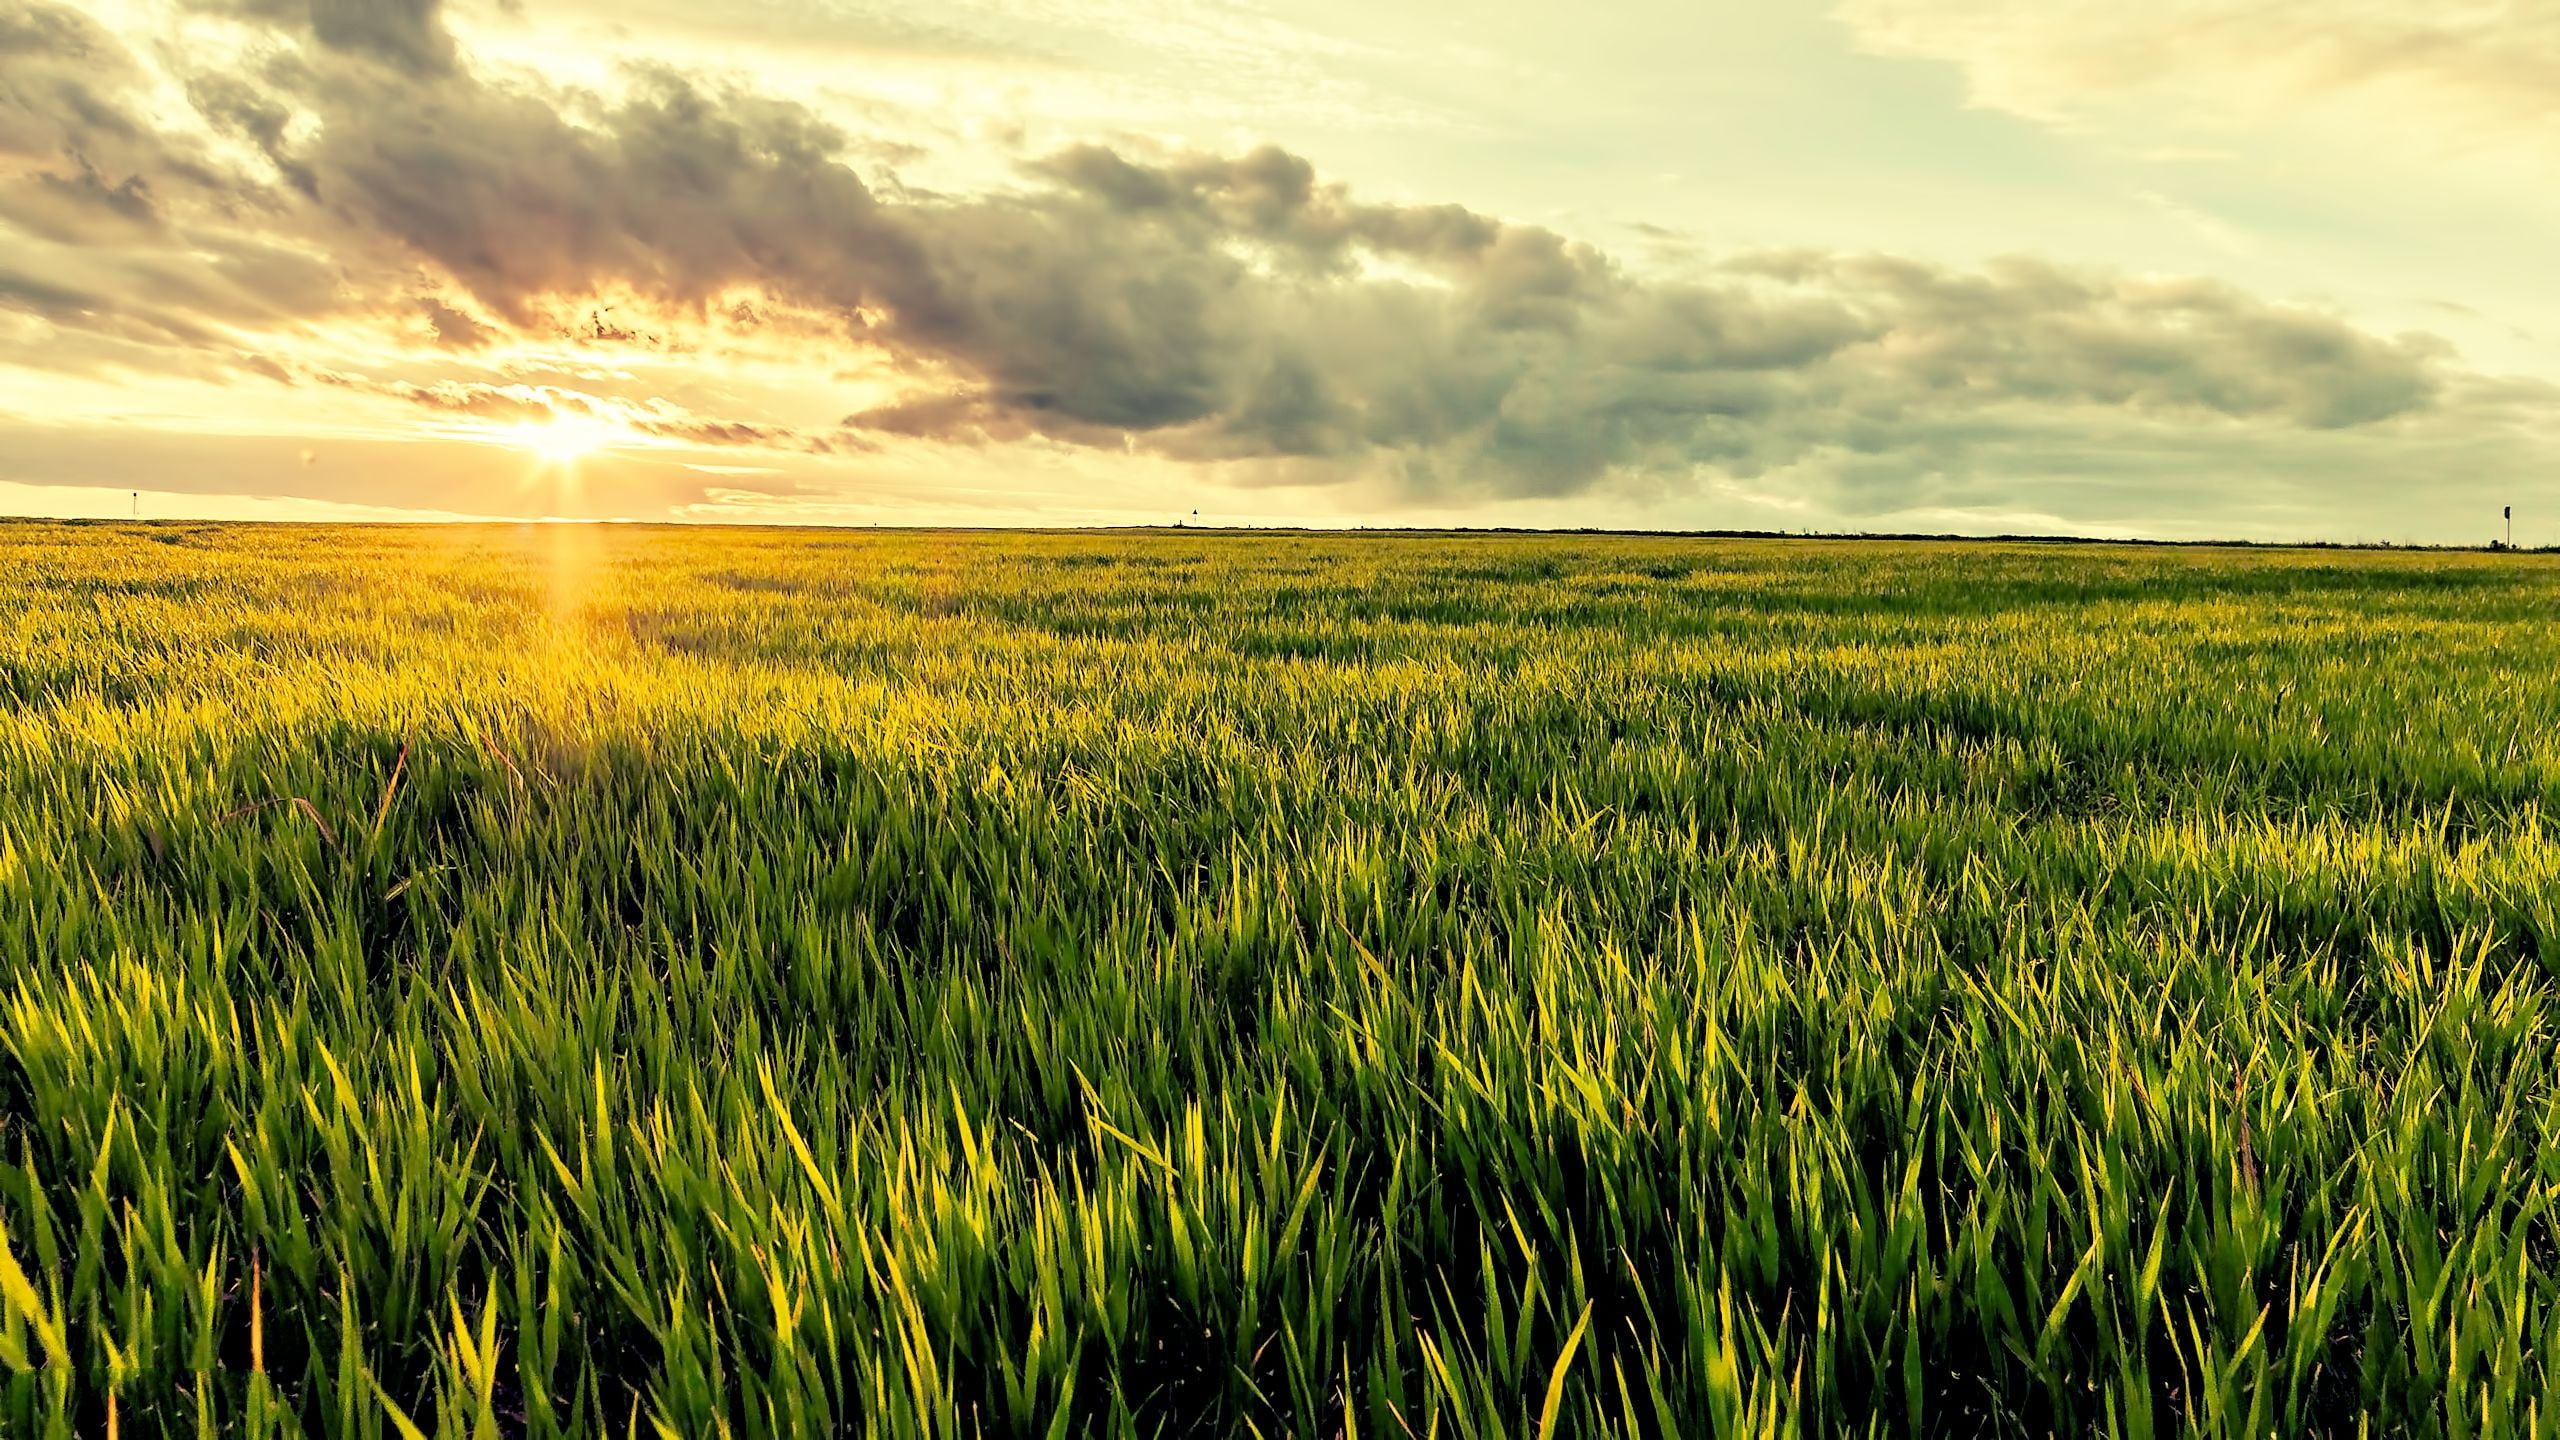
x,y
2511,527
137,504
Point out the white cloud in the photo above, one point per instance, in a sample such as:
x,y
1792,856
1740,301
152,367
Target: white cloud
x,y
2462,72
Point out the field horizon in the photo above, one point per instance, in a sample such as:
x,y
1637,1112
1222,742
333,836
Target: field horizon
x,y
1384,531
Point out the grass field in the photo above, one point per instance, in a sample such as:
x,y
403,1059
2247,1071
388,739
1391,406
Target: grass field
x,y
572,981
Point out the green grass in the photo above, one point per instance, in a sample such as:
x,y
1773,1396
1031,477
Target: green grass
x,y
576,981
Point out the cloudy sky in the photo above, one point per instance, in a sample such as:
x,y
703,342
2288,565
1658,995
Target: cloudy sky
x,y
2259,268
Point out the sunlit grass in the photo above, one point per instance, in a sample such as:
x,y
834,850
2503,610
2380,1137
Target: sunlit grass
x,y
532,982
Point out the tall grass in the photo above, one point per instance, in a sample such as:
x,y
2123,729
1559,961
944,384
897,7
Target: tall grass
x,y
576,982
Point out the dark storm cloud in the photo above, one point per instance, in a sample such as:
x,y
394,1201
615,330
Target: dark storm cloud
x,y
453,328
408,35
678,193
1270,195
69,122
1231,308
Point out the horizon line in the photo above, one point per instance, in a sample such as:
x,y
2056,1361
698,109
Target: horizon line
x,y
2491,547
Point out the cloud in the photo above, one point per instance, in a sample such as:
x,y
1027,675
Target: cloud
x,y
354,173
83,161
407,35
454,328
522,405
2466,68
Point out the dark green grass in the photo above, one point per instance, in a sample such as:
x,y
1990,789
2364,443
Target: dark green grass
x,y
569,981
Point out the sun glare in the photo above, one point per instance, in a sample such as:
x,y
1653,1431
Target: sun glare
x,y
570,437
566,439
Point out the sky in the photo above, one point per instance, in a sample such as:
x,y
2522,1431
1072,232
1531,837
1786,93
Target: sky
x,y
2262,269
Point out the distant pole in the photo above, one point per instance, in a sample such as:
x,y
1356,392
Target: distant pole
x,y
137,504
2511,527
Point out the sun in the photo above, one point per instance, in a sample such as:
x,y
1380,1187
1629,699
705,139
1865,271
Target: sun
x,y
566,439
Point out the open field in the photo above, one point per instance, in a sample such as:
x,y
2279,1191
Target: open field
x,y
552,981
